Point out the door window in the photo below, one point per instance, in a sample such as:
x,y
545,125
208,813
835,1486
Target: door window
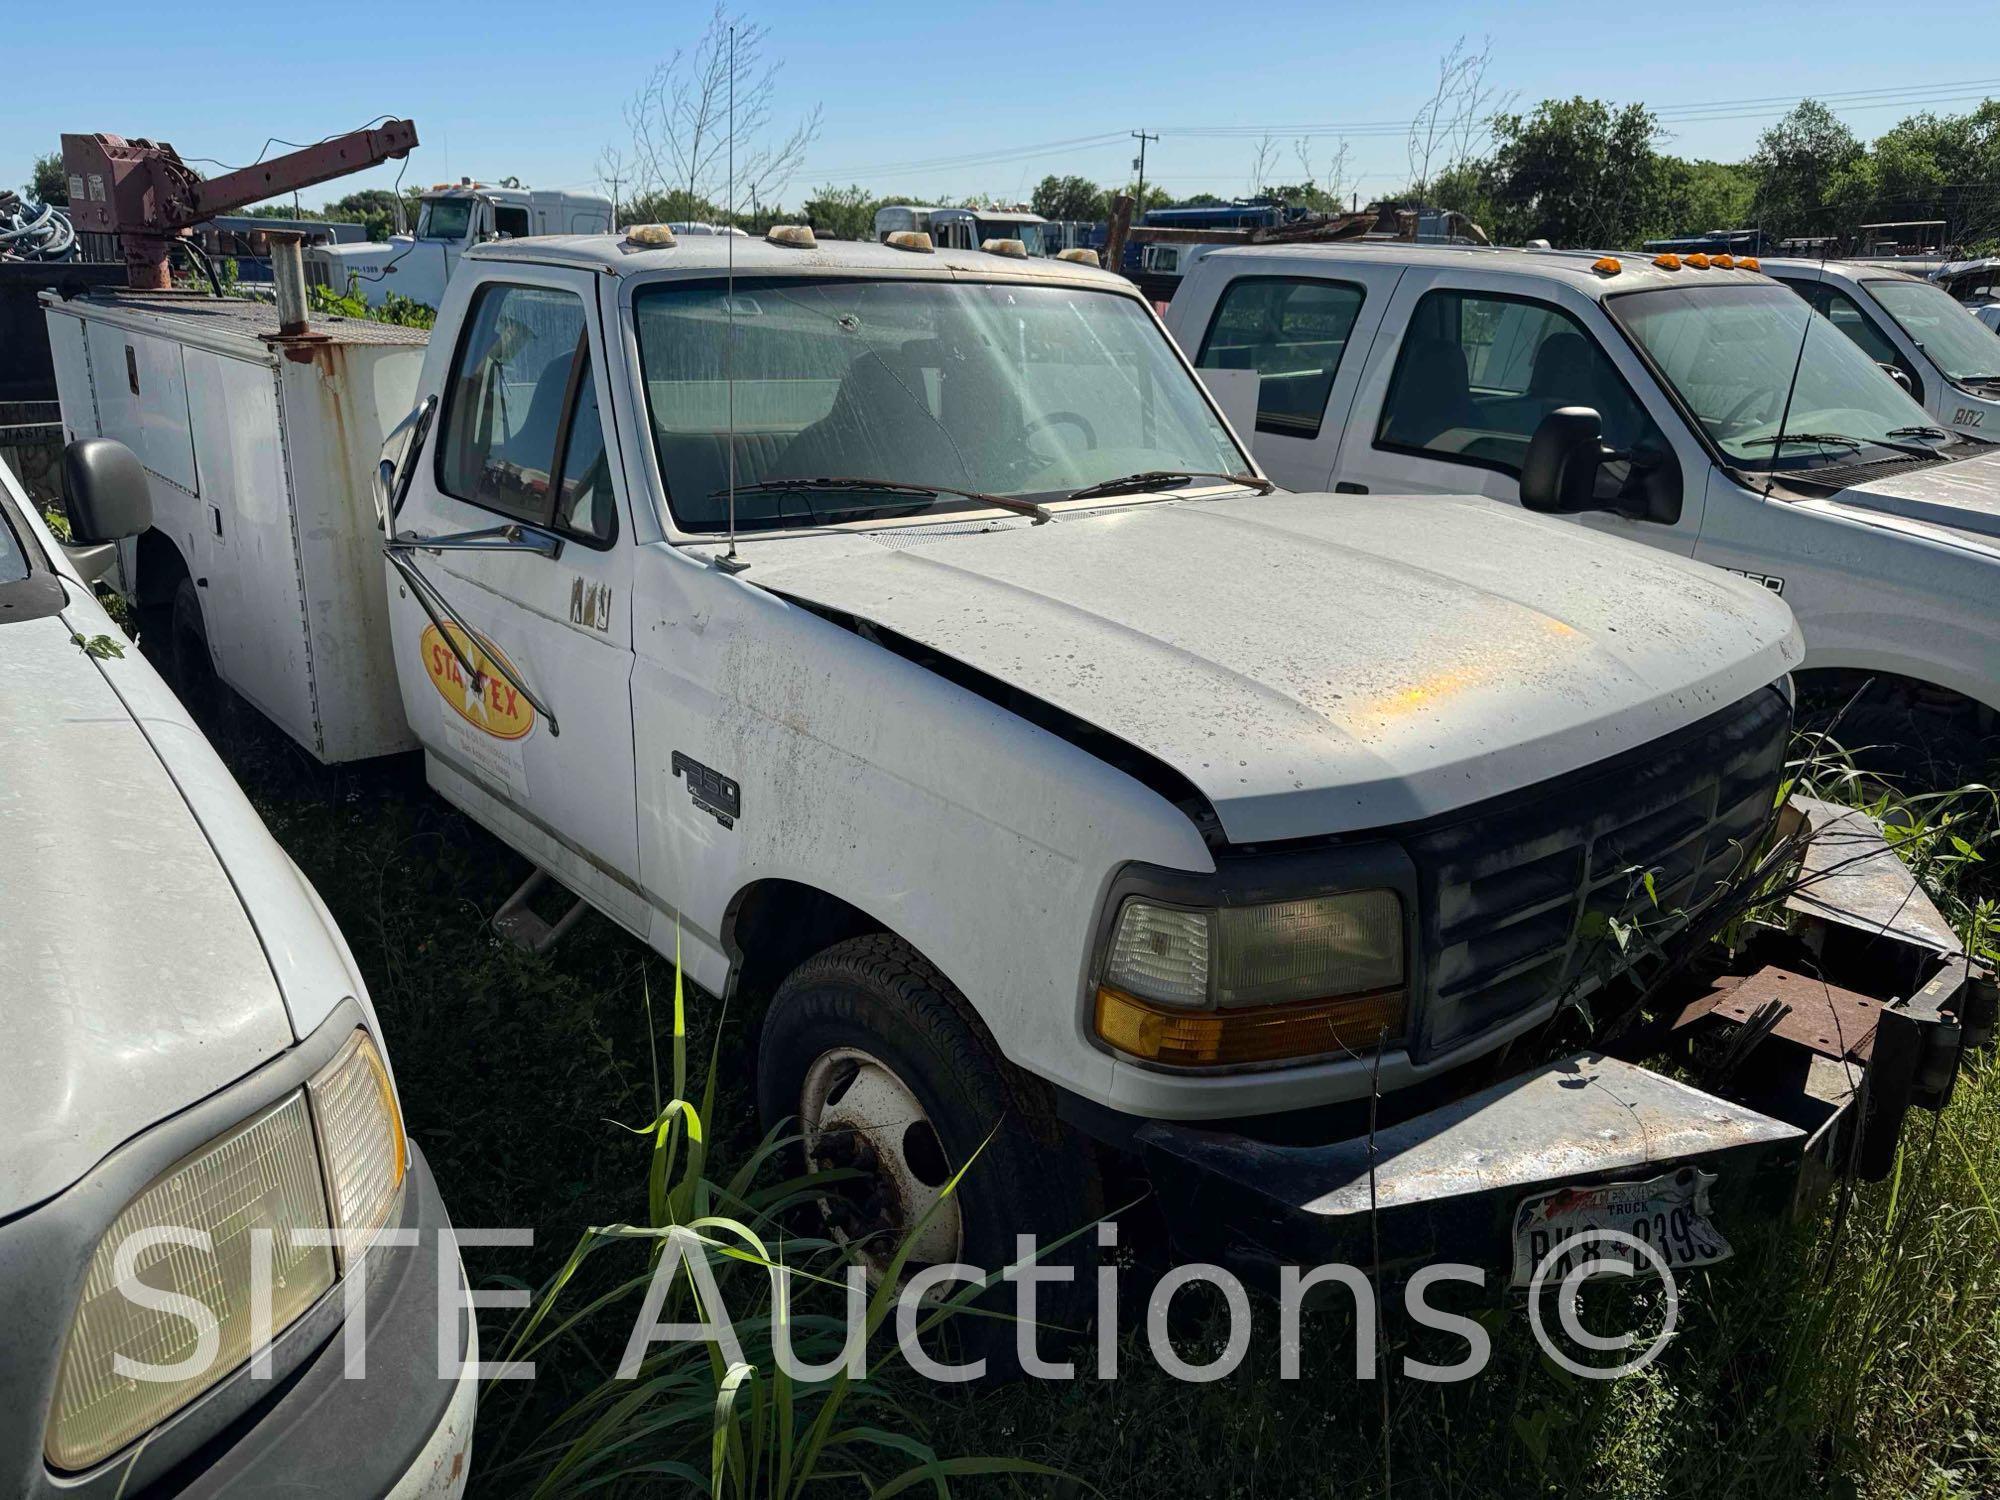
x,y
1293,332
505,402
510,221
1477,373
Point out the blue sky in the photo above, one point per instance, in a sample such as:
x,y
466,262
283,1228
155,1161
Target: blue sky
x,y
535,90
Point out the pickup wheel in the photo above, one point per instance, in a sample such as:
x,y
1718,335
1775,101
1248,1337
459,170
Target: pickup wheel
x,y
879,1060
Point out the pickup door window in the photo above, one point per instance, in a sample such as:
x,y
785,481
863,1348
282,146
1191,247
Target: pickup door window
x,y
1294,334
523,366
1477,373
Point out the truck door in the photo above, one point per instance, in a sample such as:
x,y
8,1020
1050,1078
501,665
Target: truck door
x,y
1306,336
1467,367
521,437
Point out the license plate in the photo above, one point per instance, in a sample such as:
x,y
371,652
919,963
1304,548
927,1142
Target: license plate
x,y
1670,1214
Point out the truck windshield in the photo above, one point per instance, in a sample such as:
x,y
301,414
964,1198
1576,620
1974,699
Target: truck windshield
x,y
1957,342
444,219
1023,391
1729,353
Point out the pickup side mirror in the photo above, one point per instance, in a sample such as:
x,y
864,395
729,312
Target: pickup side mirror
x,y
105,492
1898,374
1559,473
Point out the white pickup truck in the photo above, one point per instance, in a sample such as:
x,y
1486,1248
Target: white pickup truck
x,y
902,635
1933,344
1731,426
189,1060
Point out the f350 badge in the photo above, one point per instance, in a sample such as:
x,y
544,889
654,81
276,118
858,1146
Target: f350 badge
x,y
715,794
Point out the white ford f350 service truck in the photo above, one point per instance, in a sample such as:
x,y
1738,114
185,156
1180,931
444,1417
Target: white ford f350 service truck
x,y
1730,426
905,634
189,1061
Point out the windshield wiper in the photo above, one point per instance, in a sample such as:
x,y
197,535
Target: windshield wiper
x,y
1924,431
1152,479
843,484
1775,439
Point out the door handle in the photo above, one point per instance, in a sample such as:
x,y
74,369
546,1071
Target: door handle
x,y
1348,487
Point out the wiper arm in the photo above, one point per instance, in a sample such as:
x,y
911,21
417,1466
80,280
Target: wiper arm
x,y
1829,438
1924,431
841,483
1152,479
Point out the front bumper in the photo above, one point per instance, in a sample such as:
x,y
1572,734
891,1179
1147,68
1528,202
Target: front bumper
x,y
1445,1183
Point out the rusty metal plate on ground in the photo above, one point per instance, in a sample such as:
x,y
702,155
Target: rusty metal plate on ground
x,y
1823,1018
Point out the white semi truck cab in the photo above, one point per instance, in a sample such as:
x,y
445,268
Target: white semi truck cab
x,y
452,219
1933,344
903,636
1732,426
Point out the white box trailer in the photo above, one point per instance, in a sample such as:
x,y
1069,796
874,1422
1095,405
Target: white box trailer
x,y
260,452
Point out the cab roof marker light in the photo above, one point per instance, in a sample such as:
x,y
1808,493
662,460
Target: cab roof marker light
x,y
1606,265
651,236
1667,262
1012,248
1723,262
794,236
1696,261
1748,263
910,239
1081,255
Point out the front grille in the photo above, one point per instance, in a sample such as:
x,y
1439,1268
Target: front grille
x,y
1504,888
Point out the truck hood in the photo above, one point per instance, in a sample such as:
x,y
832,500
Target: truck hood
x,y
1962,496
1318,664
134,983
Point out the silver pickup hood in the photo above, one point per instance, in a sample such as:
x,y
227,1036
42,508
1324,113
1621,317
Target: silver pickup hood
x,y
1962,496
1318,664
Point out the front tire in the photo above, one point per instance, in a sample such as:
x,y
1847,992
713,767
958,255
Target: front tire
x,y
861,1033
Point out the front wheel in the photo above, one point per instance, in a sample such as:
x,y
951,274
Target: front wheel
x,y
878,1059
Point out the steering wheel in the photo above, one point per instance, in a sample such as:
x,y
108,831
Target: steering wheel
x,y
1736,412
1049,419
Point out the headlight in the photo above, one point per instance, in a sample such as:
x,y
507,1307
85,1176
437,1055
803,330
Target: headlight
x,y
1254,984
361,1137
264,1174
275,1172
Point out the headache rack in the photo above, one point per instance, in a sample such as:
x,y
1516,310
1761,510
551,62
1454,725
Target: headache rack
x,y
1517,898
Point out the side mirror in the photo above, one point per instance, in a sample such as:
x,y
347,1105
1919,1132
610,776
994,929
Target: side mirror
x,y
105,492
1559,474
398,464
1898,374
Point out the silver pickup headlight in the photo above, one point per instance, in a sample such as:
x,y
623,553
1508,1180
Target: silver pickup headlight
x,y
167,1311
1254,984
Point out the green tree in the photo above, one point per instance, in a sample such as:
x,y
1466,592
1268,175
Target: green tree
x,y
1940,166
46,182
842,213
1695,196
1068,198
1577,172
375,210
1810,173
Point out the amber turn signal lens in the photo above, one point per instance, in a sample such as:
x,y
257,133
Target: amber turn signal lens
x,y
1253,1034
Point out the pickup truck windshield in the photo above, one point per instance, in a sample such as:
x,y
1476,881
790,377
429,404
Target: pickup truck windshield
x,y
444,219
1729,352
1016,390
1957,342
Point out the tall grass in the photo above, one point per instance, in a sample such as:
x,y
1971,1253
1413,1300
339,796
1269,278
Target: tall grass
x,y
689,1414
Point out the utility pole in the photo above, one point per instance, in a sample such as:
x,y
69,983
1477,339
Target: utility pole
x,y
614,181
1140,164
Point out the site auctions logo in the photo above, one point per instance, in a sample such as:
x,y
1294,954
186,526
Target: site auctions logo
x,y
486,701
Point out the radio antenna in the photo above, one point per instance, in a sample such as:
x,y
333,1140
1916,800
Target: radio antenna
x,y
731,563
